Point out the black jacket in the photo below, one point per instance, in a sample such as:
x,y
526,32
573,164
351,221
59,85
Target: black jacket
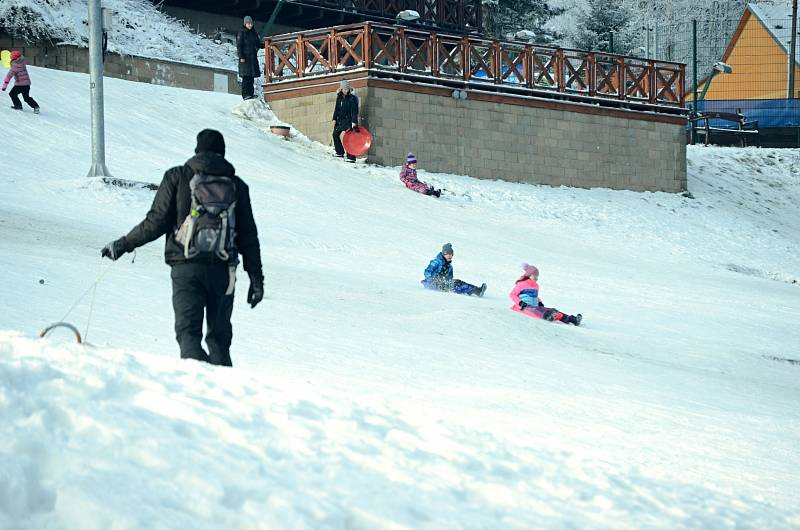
x,y
173,201
346,111
248,42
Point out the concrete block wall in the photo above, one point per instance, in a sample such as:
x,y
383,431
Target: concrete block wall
x,y
74,59
498,140
311,114
526,144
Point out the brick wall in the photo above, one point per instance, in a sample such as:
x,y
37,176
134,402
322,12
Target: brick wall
x,y
74,59
519,142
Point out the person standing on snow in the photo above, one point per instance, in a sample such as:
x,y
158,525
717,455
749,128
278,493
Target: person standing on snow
x,y
22,83
409,177
248,42
439,275
345,117
192,207
525,296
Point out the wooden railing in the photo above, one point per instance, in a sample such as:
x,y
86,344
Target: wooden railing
x,y
499,66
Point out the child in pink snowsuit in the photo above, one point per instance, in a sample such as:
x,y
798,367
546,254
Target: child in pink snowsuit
x,y
22,83
409,177
525,296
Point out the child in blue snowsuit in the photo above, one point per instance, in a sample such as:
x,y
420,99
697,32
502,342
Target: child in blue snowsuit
x,y
439,275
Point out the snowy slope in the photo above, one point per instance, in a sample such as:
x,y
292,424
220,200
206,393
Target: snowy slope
x,y
138,28
360,400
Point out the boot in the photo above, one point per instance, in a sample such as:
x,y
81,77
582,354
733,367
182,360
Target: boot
x,y
16,108
36,110
576,319
436,193
481,289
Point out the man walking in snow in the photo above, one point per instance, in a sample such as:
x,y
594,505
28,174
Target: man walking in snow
x,y
248,42
204,210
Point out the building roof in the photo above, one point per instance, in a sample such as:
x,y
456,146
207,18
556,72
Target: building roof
x,y
777,19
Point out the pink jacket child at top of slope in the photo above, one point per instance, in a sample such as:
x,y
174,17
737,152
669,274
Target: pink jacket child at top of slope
x,y
409,177
22,82
525,296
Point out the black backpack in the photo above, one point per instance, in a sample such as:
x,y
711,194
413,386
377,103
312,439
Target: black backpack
x,y
209,229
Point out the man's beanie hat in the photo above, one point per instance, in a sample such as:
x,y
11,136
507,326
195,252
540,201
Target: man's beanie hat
x,y
210,140
344,84
447,248
411,158
248,19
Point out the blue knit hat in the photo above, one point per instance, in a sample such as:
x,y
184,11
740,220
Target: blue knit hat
x,y
411,158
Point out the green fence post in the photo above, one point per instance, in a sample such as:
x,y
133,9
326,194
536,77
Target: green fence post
x,y
694,61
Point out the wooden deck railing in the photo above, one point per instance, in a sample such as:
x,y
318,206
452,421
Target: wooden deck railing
x,y
499,66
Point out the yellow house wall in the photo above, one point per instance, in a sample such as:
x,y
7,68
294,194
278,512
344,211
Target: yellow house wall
x,y
759,67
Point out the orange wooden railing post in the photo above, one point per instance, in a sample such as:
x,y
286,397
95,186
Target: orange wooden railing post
x,y
621,81
433,54
367,46
268,60
651,85
301,56
465,61
333,51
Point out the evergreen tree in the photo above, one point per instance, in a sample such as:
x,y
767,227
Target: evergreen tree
x,y
504,18
602,23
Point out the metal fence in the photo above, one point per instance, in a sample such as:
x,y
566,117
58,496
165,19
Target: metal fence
x,y
754,79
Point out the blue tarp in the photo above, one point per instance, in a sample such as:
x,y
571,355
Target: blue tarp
x,y
768,112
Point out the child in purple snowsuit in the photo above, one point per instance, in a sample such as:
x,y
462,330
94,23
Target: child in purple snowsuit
x,y
22,82
409,177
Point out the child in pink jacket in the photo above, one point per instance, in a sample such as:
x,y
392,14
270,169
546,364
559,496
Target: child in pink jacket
x,y
525,296
22,83
409,177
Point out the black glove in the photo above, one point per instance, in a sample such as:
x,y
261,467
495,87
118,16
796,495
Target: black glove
x,y
256,291
541,304
523,305
356,128
115,249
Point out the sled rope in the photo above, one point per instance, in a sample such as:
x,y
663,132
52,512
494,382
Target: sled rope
x,y
100,273
93,288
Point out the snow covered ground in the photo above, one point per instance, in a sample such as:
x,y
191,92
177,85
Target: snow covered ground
x,y
359,400
138,28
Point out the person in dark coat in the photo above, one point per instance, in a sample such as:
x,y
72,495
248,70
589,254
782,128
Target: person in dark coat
x,y
204,282
248,42
345,117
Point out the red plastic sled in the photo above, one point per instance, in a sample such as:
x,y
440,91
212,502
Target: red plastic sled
x,y
357,142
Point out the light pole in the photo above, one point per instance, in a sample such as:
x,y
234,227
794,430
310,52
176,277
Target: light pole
x,y
792,53
96,16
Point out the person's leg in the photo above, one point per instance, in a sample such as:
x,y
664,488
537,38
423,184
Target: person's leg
x,y
337,142
26,90
462,287
247,87
219,332
188,301
14,95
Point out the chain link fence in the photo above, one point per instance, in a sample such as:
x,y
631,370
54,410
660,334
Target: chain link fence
x,y
736,65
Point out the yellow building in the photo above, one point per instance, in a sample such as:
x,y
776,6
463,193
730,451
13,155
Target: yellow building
x,y
759,56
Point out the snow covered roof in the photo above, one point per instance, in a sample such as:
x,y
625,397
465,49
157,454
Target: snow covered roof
x,y
777,19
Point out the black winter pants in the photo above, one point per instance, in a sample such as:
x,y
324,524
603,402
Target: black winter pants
x,y
337,142
25,91
247,87
199,287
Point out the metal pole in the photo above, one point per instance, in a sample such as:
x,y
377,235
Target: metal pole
x,y
611,42
792,53
268,26
98,168
694,61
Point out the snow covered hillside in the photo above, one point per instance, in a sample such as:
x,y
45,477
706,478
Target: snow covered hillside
x,y
138,29
359,400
